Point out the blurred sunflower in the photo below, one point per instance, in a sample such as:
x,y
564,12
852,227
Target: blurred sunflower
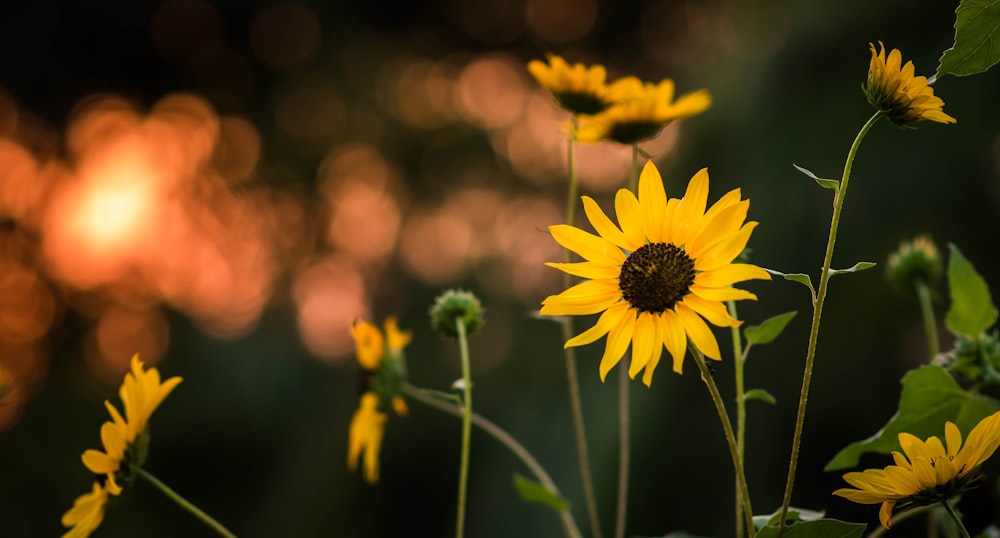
x,y
927,472
86,514
579,89
382,376
640,114
669,265
902,97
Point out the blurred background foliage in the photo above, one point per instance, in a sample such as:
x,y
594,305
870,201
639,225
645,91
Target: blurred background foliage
x,y
224,187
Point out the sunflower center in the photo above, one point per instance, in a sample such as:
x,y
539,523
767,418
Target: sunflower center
x,y
656,276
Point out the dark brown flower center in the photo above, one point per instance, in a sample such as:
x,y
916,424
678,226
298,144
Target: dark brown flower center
x,y
656,276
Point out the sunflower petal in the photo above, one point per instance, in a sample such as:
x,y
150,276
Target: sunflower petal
x,y
718,228
589,246
699,333
608,320
603,225
713,311
588,270
618,340
630,218
587,297
674,338
645,340
652,200
691,210
725,252
730,274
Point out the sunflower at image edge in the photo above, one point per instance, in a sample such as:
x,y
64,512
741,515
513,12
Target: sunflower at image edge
x,y
654,279
902,97
579,89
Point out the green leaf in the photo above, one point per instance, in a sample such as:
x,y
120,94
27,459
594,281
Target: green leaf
x,y
534,492
972,310
801,278
817,528
977,23
930,398
831,184
860,266
759,394
793,515
767,331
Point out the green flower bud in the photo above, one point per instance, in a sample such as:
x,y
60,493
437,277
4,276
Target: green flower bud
x,y
455,305
914,261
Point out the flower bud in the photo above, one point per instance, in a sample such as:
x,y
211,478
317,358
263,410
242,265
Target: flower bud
x,y
453,305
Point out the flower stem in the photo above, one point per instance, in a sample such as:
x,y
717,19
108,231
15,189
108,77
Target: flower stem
x,y
741,411
927,311
824,279
958,520
428,397
572,378
727,428
185,504
463,470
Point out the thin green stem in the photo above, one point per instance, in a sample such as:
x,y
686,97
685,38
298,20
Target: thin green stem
x,y
930,323
824,279
958,520
741,411
727,428
434,399
185,504
463,470
572,377
624,429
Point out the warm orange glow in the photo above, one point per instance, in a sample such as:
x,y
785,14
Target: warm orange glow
x,y
329,296
520,229
422,92
310,108
27,307
435,246
120,333
561,21
21,188
238,151
492,91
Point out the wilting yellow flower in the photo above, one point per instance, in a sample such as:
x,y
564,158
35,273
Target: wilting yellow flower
x,y
902,97
86,514
926,472
580,89
642,114
123,439
381,358
655,278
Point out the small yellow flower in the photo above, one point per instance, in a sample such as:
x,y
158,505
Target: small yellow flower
x,y
654,279
926,472
642,114
86,514
902,97
365,436
580,89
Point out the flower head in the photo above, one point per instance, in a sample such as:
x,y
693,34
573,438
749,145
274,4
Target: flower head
x,y
642,114
86,514
916,260
904,98
577,88
383,373
456,305
654,278
926,472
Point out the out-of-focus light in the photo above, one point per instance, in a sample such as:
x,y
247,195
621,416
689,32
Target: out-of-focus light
x,y
365,221
561,21
181,29
309,108
238,151
286,34
330,296
24,367
435,246
421,92
225,75
21,189
122,332
492,91
27,306
524,244
494,22
9,114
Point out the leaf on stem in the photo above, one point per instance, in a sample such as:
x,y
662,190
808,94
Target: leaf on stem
x,y
759,394
770,329
801,278
976,48
860,266
972,310
534,492
831,184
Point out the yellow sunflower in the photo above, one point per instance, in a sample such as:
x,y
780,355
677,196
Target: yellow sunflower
x,y
86,514
642,113
669,265
580,89
902,97
383,373
926,472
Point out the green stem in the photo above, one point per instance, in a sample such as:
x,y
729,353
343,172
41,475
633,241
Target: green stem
x,y
572,377
824,279
185,504
727,428
741,411
433,399
958,520
463,470
930,323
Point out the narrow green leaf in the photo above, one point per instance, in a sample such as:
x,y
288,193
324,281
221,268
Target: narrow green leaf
x,y
759,394
930,397
831,184
534,492
977,24
793,515
860,266
801,278
972,310
770,329
817,528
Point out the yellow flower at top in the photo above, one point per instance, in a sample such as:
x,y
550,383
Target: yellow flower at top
x,y
642,114
902,97
579,89
381,359
654,277
926,472
124,440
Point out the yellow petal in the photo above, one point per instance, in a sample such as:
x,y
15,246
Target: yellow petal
x,y
618,341
603,225
718,228
722,294
885,513
589,246
630,218
644,341
725,252
653,200
589,270
713,311
691,209
587,297
730,274
611,317
699,333
674,338
654,359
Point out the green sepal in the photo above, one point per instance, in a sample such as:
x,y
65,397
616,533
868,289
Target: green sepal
x,y
534,492
930,397
769,329
759,394
831,184
860,266
972,310
976,49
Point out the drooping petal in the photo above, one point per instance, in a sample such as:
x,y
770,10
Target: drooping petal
x,y
730,274
654,359
713,311
643,342
608,320
722,294
699,333
618,340
589,246
885,513
674,338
